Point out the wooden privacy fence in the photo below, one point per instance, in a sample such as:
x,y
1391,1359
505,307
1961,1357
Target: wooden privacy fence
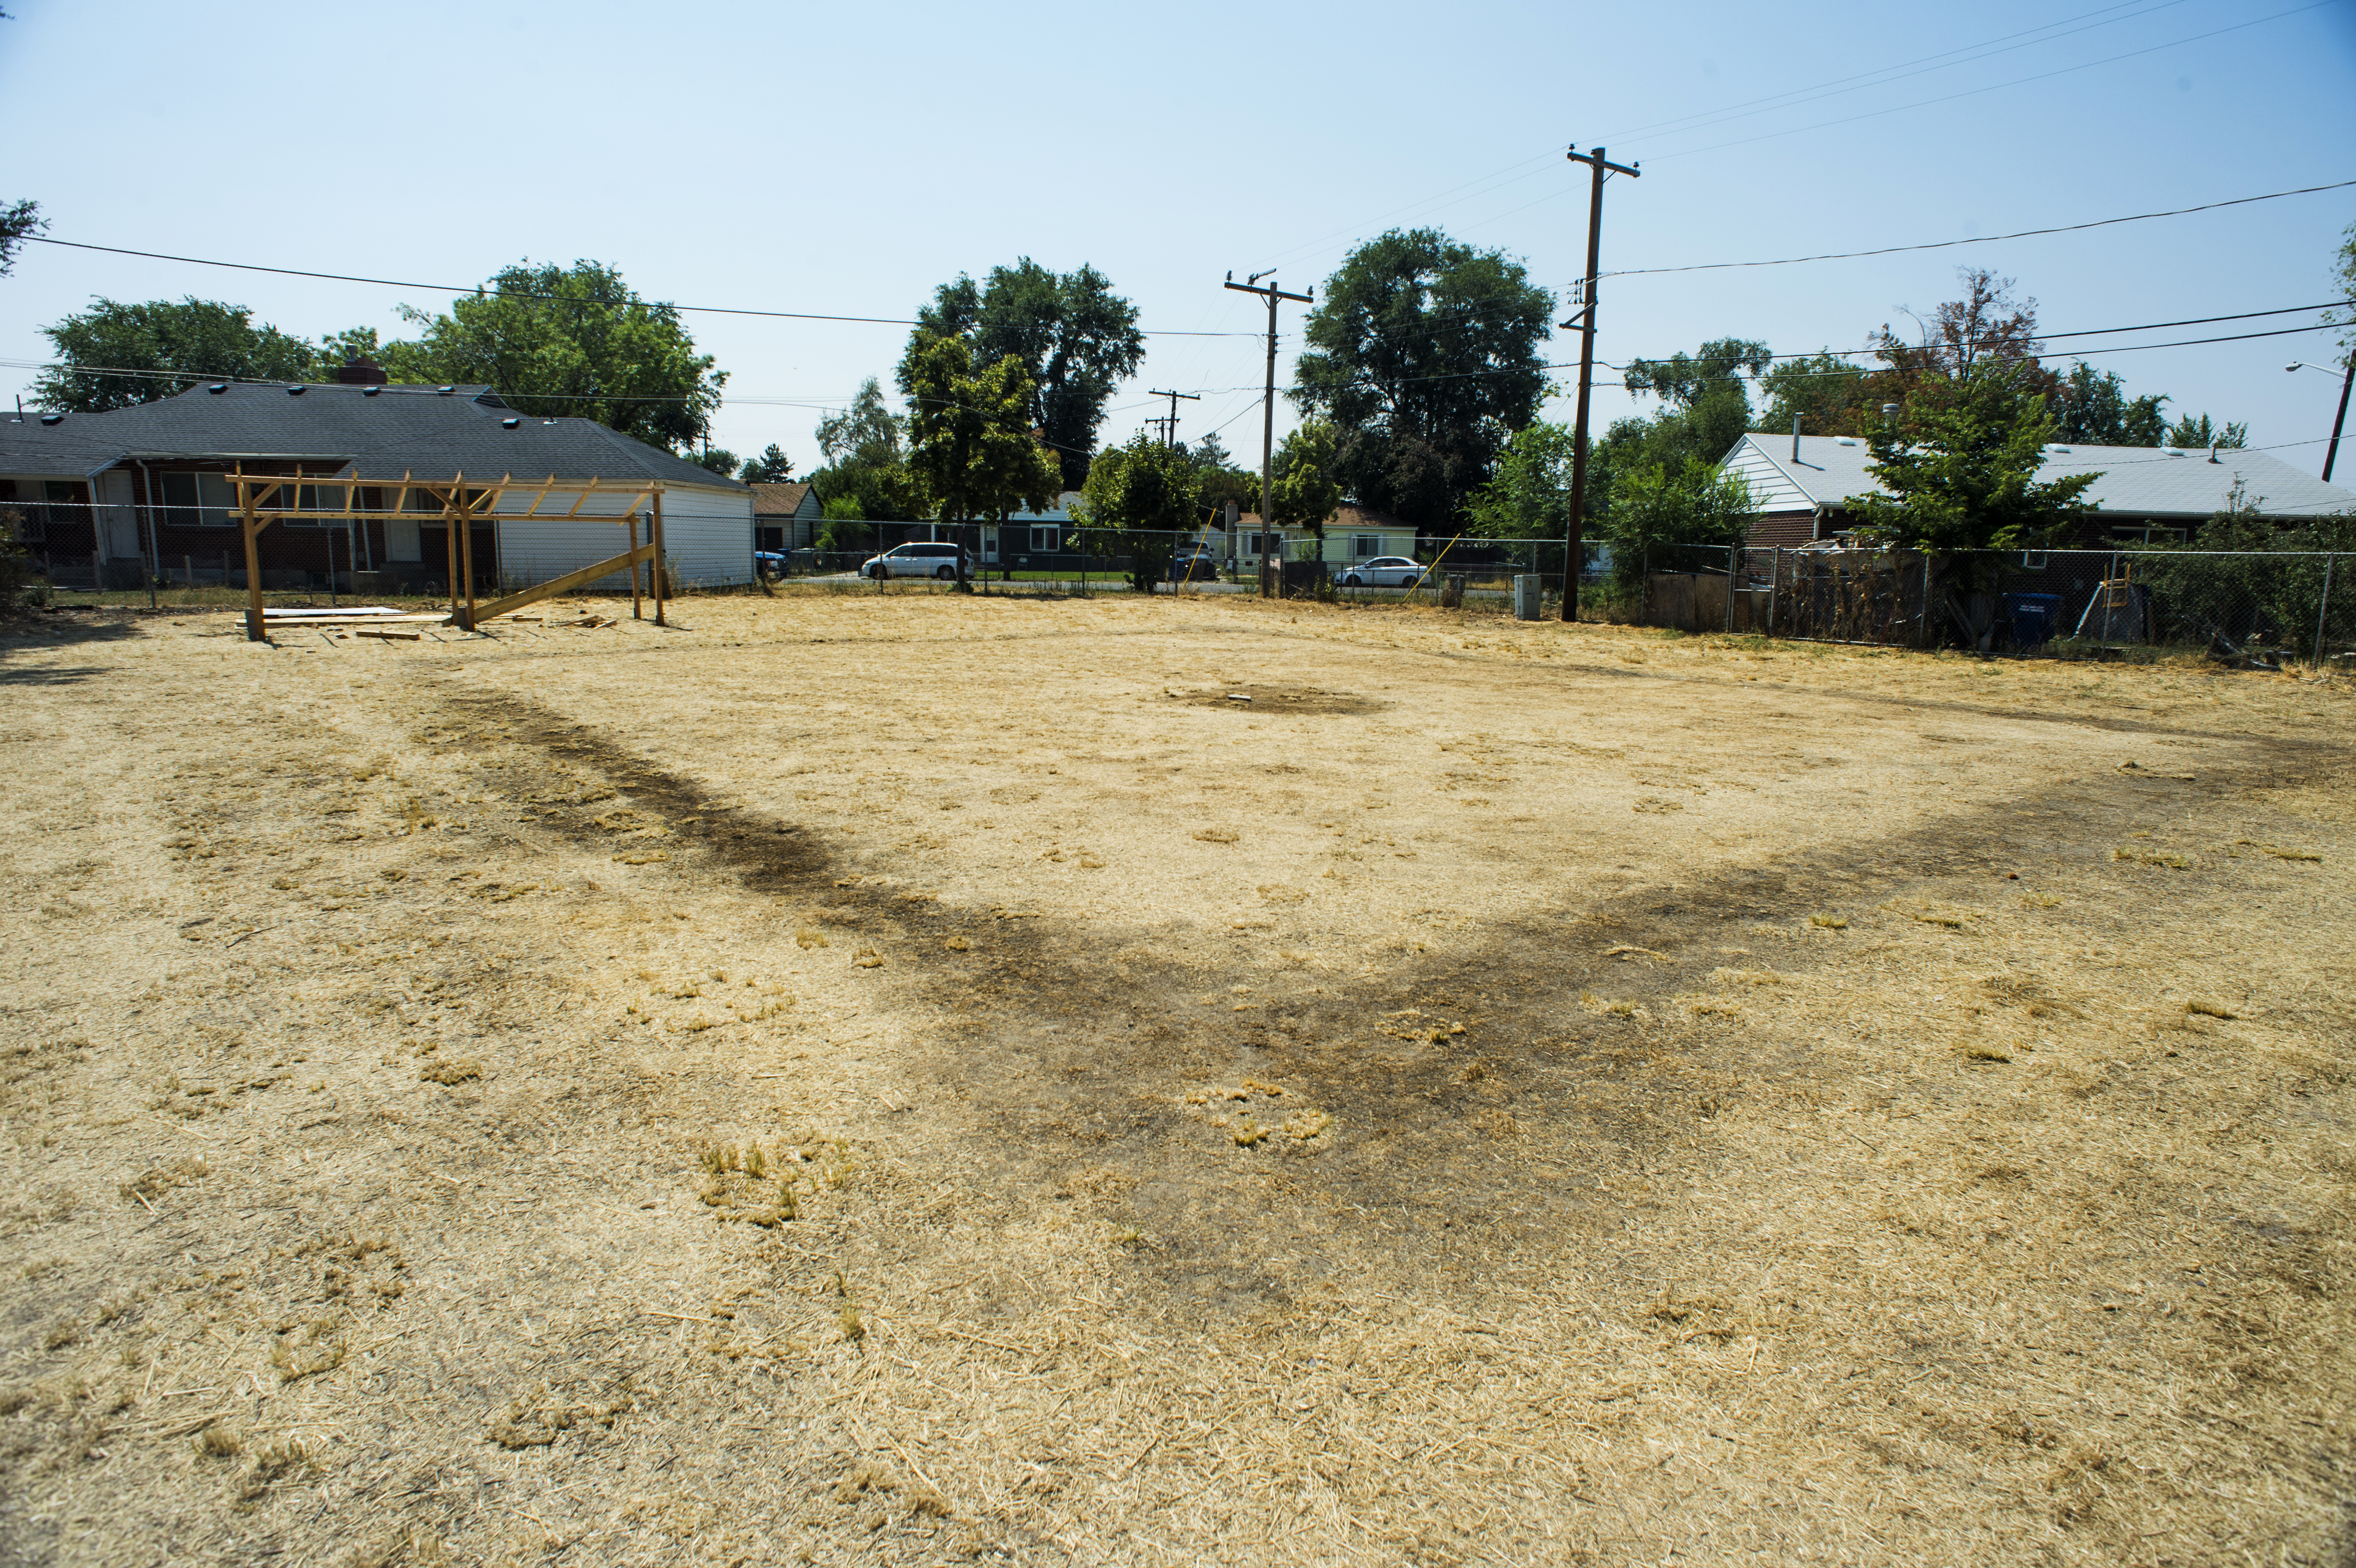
x,y
266,498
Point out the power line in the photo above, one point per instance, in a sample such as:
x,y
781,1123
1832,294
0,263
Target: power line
x,y
1982,240
1987,48
532,294
1998,87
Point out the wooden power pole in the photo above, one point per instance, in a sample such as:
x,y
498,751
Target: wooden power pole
x,y
1170,425
1267,409
1584,324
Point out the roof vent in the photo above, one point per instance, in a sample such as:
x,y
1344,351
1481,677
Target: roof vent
x,y
1843,440
218,388
445,391
2058,447
509,424
371,392
294,391
52,419
2173,451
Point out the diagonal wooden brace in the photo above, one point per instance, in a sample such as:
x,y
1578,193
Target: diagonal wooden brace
x,y
549,590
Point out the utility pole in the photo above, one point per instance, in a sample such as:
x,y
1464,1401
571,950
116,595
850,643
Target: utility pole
x,y
2331,452
1170,425
1267,408
1584,324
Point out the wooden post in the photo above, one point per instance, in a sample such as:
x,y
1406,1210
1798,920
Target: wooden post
x,y
634,613
465,548
663,590
252,557
450,537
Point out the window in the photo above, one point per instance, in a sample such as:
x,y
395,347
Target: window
x,y
1364,546
1045,541
1272,544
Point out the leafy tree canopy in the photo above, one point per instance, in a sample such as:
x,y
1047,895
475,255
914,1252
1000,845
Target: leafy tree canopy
x,y
1426,355
1960,470
1530,495
1073,337
718,459
1217,480
2092,406
1707,413
1655,505
557,341
2189,431
177,344
867,474
969,433
1147,492
2343,280
772,467
1302,489
19,221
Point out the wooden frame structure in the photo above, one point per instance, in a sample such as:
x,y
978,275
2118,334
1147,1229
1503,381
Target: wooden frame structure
x,y
462,502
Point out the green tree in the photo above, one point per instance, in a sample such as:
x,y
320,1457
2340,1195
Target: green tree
x,y
1302,491
575,340
1657,508
866,463
1219,482
1828,393
1960,472
2189,432
2092,406
1426,355
19,221
2343,283
1074,337
1147,494
176,345
970,436
845,526
1530,495
772,467
718,459
1707,412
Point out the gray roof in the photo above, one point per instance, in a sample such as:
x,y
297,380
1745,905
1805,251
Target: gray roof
x,y
402,429
2133,481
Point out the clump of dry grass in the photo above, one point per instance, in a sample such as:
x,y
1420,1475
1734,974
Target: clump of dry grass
x,y
449,1070
306,1349
2209,1009
218,1442
1828,923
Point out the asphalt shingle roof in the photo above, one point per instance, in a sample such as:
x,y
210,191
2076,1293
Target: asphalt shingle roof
x,y
2133,481
402,429
778,500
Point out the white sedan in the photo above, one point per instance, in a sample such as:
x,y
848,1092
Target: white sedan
x,y
1382,572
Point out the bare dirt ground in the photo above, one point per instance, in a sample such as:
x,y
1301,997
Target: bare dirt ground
x,y
908,1080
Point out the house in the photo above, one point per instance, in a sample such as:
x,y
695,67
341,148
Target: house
x,y
1353,534
109,496
1802,486
786,517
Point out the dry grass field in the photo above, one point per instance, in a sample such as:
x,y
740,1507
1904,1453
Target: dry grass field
x,y
903,1079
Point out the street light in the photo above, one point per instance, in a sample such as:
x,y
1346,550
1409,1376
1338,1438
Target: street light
x,y
2331,452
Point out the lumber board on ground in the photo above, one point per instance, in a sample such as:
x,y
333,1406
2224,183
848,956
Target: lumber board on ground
x,y
564,584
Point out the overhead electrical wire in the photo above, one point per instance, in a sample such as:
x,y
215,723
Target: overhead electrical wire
x,y
1996,86
529,294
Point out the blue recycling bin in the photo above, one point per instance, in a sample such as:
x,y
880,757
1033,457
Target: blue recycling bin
x,y
2033,617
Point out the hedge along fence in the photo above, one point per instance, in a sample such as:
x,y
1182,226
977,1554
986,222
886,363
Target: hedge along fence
x,y
2262,609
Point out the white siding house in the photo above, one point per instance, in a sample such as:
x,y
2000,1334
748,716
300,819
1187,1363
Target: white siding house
x,y
707,533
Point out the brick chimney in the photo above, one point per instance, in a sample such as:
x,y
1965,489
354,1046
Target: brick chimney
x,y
362,371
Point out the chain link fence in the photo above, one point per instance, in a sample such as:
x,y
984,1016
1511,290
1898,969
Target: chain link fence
x,y
2261,609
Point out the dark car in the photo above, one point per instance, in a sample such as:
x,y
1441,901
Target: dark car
x,y
1195,564
770,563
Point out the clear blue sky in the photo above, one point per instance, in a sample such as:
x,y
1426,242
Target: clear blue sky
x,y
846,159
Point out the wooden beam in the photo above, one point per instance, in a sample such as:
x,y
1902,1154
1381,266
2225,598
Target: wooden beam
x,y
253,627
634,613
564,584
661,588
533,510
578,500
466,545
